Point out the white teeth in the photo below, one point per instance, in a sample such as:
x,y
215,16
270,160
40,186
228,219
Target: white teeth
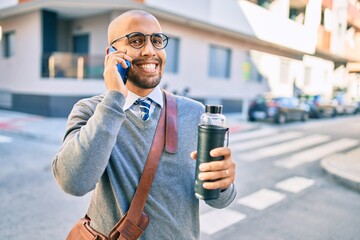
x,y
147,66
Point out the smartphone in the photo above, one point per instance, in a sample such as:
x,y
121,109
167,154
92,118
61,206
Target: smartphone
x,y
123,71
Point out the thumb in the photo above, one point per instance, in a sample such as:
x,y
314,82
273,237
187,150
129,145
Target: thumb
x,y
193,155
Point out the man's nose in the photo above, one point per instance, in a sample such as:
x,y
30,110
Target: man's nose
x,y
148,49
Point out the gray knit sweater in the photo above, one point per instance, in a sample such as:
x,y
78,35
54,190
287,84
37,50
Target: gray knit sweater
x,y
105,150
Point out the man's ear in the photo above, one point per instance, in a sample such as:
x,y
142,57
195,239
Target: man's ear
x,y
107,50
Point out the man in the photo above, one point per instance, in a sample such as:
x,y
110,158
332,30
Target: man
x,y
106,143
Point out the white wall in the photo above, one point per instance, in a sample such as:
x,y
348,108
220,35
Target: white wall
x,y
354,86
198,9
194,62
97,27
7,3
321,78
247,18
22,70
194,51
339,25
272,27
280,8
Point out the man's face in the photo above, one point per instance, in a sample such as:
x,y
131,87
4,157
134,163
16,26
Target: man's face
x,y
148,63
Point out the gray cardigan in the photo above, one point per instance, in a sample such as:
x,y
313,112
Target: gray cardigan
x,y
105,150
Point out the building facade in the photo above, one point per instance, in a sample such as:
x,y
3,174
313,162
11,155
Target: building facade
x,y
223,52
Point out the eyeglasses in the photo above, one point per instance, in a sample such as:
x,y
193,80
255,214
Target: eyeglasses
x,y
137,40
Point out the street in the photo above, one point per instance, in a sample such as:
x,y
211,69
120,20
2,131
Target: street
x,y
283,193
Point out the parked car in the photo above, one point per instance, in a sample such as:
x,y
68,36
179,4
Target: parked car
x,y
344,105
279,109
320,106
358,106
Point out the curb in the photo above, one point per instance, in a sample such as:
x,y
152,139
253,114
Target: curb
x,y
343,168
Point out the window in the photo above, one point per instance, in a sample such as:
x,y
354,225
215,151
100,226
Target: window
x,y
265,3
9,44
172,55
219,62
297,15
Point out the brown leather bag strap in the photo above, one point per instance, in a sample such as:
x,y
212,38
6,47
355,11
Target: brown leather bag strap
x,y
138,202
171,134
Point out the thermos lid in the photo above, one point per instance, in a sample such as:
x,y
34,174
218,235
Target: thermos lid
x,y
214,109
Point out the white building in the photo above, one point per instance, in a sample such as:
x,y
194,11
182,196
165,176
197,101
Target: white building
x,y
223,52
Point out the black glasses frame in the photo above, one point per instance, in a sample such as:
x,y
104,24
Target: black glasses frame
x,y
163,36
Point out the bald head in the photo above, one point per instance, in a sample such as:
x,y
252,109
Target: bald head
x,y
127,22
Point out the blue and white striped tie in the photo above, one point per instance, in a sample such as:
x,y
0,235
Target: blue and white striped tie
x,y
144,105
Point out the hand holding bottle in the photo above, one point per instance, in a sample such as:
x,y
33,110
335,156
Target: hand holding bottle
x,y
217,174
215,169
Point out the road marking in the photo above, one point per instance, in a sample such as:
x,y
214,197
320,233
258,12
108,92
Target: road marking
x,y
262,199
252,134
219,219
4,139
251,144
295,184
282,148
316,153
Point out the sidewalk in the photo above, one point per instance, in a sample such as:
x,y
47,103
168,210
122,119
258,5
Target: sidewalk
x,y
33,126
344,167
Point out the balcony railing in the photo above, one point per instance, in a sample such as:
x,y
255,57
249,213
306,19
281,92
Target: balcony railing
x,y
69,65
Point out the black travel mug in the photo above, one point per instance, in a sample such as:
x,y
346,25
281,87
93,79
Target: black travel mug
x,y
209,137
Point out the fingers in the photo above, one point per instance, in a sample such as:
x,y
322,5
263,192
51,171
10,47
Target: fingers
x,y
218,179
214,175
222,151
218,174
112,78
216,170
223,183
214,166
193,155
224,164
118,57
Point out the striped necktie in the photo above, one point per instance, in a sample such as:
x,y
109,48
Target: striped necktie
x,y
144,105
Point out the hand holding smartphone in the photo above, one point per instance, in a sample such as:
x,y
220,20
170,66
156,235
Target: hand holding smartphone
x,y
123,71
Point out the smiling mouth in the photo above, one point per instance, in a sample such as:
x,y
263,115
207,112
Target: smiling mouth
x,y
148,66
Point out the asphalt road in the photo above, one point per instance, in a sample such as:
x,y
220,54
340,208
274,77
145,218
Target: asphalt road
x,y
283,193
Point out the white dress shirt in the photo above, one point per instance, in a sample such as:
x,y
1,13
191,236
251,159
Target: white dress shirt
x,y
156,96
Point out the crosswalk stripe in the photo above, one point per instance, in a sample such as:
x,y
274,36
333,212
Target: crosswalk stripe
x,y
262,199
264,141
316,153
216,220
295,184
5,139
282,148
252,134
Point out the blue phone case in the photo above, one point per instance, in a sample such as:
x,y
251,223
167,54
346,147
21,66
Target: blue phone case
x,y
123,71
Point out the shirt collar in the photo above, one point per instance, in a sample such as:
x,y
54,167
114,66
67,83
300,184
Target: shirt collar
x,y
155,95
